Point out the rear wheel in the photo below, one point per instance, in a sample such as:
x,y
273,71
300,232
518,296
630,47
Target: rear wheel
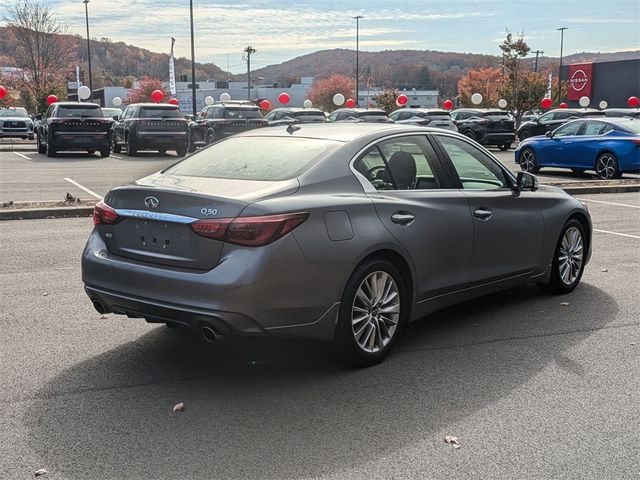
x,y
181,151
568,259
115,147
190,145
211,137
528,161
373,310
607,166
131,149
524,134
41,147
105,152
162,151
470,134
51,152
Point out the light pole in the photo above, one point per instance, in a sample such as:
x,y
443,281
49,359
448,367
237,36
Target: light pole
x,y
538,52
86,13
357,19
561,30
193,62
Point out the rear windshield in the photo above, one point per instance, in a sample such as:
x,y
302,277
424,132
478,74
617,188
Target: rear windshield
x,y
13,112
256,158
159,112
243,113
306,114
497,115
73,111
437,113
111,112
633,125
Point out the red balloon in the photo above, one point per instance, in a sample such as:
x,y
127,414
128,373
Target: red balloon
x,y
563,105
265,104
546,103
633,102
157,96
51,99
447,104
350,103
284,98
174,101
402,99
3,92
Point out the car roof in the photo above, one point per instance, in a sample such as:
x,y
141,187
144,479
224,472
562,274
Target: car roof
x,y
297,109
418,109
360,110
150,104
342,132
75,104
248,106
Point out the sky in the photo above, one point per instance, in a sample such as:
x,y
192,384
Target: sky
x,y
281,30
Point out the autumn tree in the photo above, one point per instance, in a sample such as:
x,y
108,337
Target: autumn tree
x,y
141,92
485,81
43,53
322,91
386,100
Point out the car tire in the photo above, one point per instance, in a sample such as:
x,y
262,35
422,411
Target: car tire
x,y
162,151
115,147
528,161
504,147
211,137
524,134
607,166
91,152
470,134
190,145
181,151
51,152
568,259
132,151
41,147
105,152
369,340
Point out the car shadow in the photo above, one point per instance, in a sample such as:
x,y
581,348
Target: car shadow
x,y
284,409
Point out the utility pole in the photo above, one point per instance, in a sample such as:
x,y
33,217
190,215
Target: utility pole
x,y
248,52
535,67
561,29
193,63
86,12
357,19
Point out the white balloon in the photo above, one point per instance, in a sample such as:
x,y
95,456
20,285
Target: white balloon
x,y
603,104
338,99
584,101
307,104
84,92
225,97
117,101
502,103
208,100
476,99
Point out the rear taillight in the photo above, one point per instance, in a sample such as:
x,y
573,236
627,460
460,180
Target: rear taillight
x,y
636,141
103,214
249,231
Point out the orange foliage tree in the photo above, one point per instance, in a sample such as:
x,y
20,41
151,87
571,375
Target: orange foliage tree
x,y
322,91
485,81
142,91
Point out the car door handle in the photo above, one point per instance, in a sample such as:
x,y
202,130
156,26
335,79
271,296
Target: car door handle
x,y
483,213
402,218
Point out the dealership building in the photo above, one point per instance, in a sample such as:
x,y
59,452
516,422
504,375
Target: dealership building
x,y
612,82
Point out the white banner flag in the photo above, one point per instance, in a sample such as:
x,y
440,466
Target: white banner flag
x,y
172,70
548,93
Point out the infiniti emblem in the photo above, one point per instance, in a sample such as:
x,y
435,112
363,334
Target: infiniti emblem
x,y
151,202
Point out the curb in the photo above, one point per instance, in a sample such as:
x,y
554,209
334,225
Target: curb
x,y
39,213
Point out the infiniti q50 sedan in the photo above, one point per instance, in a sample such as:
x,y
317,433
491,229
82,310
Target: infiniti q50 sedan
x,y
341,232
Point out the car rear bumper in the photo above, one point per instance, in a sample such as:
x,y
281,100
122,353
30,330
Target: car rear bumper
x,y
247,293
16,133
498,138
79,140
160,140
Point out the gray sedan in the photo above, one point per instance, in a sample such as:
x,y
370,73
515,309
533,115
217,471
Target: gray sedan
x,y
341,232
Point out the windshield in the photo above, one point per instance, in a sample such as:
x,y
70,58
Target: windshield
x,y
256,158
13,112
243,113
111,112
159,112
72,111
497,115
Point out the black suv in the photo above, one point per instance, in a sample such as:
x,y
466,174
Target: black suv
x,y
221,120
369,115
285,116
551,120
622,112
486,126
150,126
74,126
433,117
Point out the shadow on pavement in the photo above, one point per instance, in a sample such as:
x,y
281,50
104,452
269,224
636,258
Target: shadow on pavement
x,y
276,409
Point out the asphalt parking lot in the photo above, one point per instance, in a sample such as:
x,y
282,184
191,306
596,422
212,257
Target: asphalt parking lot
x,y
533,388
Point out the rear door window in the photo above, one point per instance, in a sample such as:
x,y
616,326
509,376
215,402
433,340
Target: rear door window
x,y
73,111
568,129
593,128
159,112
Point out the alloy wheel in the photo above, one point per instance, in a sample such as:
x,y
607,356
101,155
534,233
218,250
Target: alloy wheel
x,y
570,255
375,312
528,160
606,167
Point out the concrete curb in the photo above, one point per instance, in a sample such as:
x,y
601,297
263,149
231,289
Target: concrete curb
x,y
39,213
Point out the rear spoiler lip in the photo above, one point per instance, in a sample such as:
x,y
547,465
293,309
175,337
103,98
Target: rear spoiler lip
x,y
159,216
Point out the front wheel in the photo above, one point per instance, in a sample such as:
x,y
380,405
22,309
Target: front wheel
x,y
211,137
41,147
524,134
373,310
105,152
568,260
132,151
51,152
528,161
181,151
607,167
470,134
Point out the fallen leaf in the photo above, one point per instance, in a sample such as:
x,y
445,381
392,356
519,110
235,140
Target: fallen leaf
x,y
179,407
451,440
102,317
45,294
42,471
564,304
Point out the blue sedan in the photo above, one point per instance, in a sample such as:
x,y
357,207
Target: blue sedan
x,y
610,146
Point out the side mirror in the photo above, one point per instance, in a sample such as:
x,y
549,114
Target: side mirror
x,y
116,117
526,182
549,134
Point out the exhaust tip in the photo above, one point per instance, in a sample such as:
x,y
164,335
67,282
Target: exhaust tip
x,y
100,308
208,334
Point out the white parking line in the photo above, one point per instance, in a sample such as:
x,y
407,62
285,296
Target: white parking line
x,y
90,192
115,156
21,155
616,233
609,203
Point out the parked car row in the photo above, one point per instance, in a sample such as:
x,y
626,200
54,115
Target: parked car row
x,y
15,123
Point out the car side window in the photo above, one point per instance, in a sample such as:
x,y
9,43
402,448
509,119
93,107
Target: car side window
x,y
568,129
547,117
606,129
474,168
593,128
